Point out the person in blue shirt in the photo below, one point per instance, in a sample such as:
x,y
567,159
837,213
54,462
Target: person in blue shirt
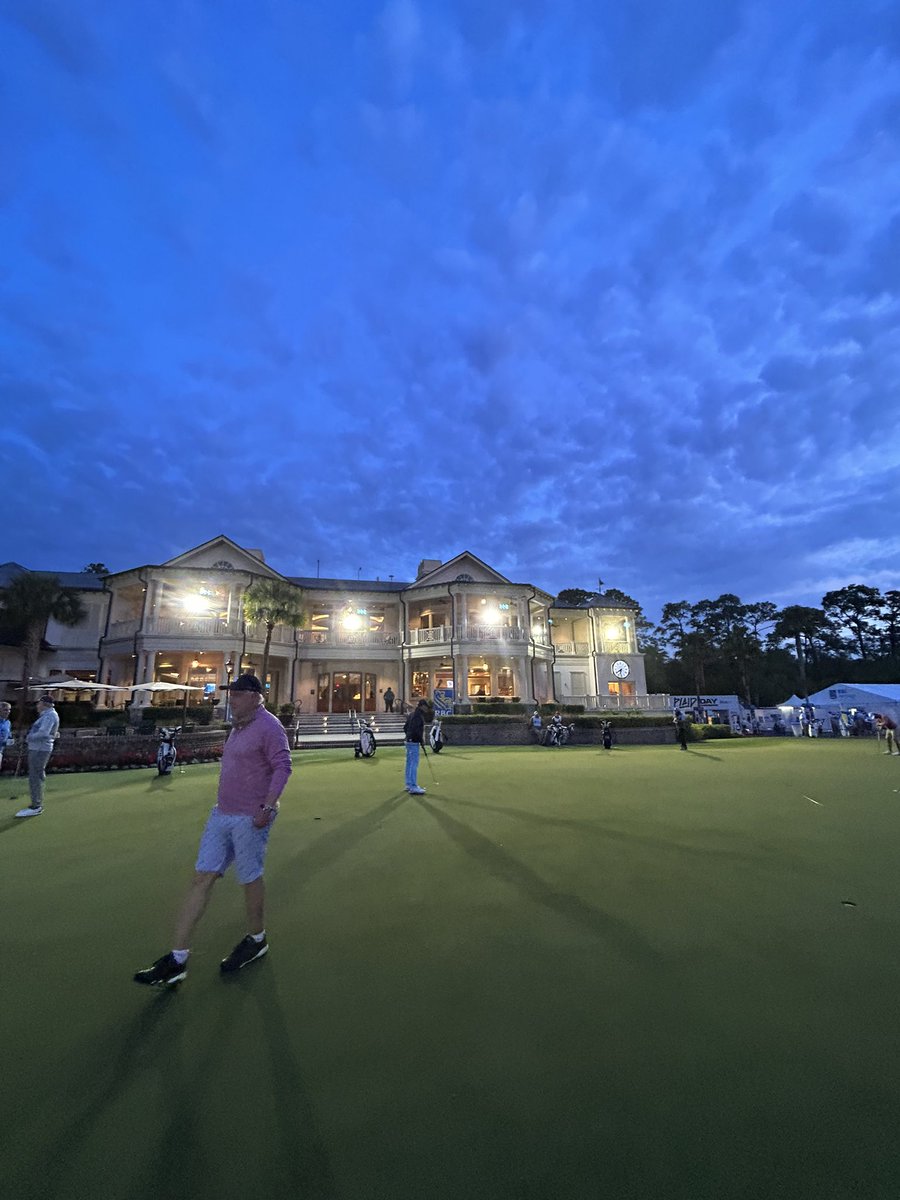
x,y
536,724
5,728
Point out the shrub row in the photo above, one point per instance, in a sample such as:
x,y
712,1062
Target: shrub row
x,y
617,721
118,753
708,733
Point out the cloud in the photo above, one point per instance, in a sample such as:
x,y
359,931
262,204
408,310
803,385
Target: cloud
x,y
592,292
61,32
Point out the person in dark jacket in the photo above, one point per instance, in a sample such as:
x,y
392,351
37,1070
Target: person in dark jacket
x,y
414,729
681,728
389,699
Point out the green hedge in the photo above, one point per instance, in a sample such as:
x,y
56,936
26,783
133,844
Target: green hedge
x,y
617,722
622,721
708,733
481,719
164,714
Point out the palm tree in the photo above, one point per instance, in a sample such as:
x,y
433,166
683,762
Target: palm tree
x,y
29,602
272,602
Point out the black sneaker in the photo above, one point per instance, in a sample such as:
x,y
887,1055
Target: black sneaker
x,y
244,953
165,972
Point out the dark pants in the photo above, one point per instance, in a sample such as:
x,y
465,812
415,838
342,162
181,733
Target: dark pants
x,y
388,706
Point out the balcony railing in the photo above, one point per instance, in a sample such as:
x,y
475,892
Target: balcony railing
x,y
282,635
623,647
655,702
491,633
209,627
426,637
475,633
329,637
564,649
122,629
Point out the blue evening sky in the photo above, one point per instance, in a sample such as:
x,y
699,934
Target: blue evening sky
x,y
590,288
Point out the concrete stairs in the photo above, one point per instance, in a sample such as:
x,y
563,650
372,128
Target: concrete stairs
x,y
317,730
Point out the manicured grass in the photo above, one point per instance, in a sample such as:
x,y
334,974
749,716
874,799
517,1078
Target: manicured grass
x,y
559,974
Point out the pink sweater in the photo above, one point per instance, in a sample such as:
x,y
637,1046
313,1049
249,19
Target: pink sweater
x,y
256,764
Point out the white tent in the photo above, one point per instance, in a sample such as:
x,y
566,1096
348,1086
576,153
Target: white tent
x,y
842,697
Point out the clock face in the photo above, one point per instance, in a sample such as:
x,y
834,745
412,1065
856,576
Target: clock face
x,y
620,669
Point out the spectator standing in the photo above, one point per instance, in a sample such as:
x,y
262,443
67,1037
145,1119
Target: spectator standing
x,y
40,739
536,725
681,729
388,699
256,765
5,728
889,726
414,730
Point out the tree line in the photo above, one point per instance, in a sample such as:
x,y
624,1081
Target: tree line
x,y
763,653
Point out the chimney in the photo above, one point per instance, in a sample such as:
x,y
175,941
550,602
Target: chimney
x,y
427,565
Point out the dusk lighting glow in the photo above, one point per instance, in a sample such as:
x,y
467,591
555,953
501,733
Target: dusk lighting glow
x,y
591,290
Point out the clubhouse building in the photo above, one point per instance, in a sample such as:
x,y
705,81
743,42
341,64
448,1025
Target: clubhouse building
x,y
460,628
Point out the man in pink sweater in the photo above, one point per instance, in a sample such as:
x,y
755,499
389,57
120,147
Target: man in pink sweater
x,y
256,764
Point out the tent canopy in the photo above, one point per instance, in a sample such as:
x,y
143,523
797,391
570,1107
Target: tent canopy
x,y
869,697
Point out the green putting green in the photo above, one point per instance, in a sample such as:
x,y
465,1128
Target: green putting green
x,y
559,975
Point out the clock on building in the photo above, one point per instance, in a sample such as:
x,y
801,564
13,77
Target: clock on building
x,y
620,669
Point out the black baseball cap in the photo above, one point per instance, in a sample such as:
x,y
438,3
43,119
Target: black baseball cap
x,y
247,683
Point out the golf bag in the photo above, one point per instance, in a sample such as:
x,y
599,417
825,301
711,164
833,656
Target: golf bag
x,y
436,738
607,736
558,734
365,745
167,753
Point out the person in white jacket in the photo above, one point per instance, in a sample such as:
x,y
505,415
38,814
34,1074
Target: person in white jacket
x,y
40,739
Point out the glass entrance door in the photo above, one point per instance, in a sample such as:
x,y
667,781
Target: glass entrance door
x,y
346,691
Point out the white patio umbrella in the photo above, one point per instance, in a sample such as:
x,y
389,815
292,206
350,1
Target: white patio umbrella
x,y
162,687
168,687
76,685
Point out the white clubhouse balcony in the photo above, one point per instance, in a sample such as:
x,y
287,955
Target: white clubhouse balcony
x,y
572,649
197,627
331,637
470,632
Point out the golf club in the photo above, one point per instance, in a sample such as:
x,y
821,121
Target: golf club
x,y
430,767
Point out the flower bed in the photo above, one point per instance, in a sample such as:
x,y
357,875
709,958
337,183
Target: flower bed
x,y
124,753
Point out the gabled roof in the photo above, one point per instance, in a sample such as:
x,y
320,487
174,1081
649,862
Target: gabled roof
x,y
595,600
84,581
10,571
460,563
250,560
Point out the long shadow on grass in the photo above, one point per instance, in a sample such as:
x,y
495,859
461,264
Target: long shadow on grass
x,y
572,908
12,823
603,832
331,846
303,1152
150,1042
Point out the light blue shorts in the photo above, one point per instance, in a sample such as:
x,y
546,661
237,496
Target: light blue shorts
x,y
232,838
